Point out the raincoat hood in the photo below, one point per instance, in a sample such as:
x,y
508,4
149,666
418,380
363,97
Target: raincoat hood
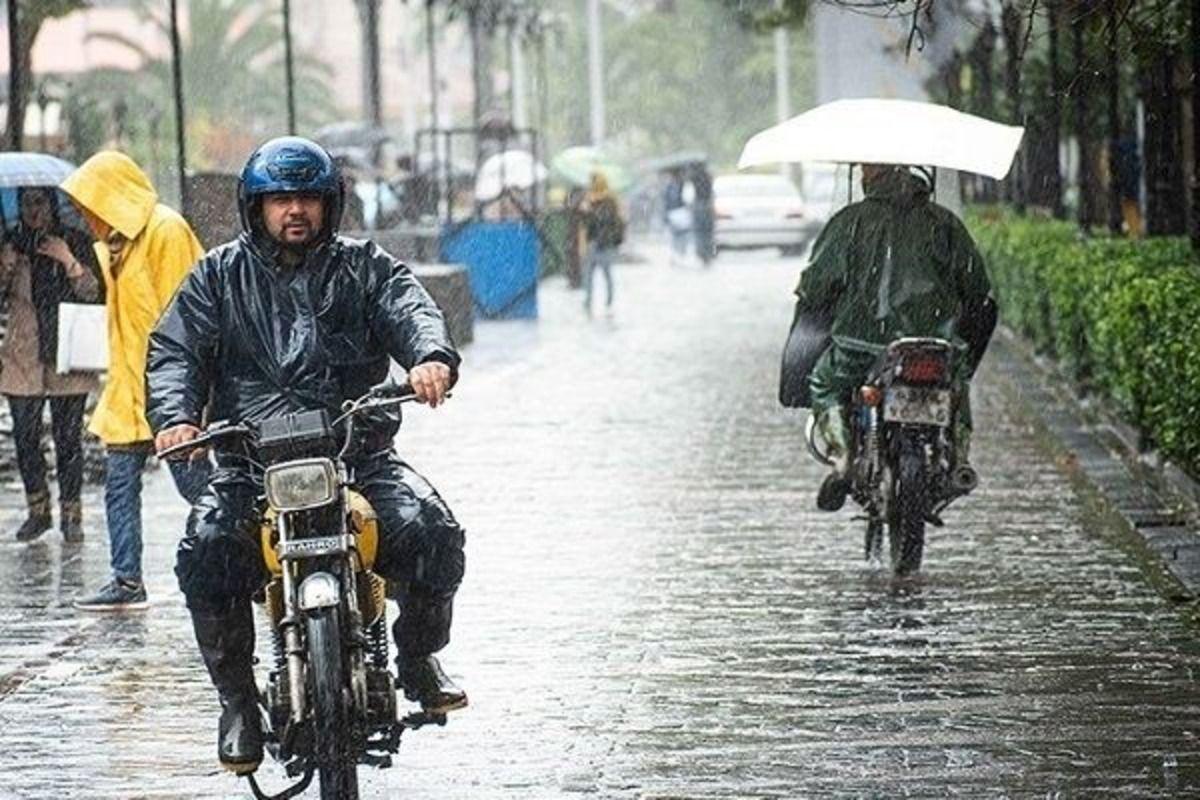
x,y
897,184
114,188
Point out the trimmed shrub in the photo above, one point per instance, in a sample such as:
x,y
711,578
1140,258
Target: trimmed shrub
x,y
1123,317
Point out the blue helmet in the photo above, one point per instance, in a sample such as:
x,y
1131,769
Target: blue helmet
x,y
290,164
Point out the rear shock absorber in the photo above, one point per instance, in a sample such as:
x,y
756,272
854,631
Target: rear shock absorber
x,y
871,440
279,650
377,641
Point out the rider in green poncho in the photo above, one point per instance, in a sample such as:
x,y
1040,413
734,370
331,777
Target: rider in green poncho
x,y
895,264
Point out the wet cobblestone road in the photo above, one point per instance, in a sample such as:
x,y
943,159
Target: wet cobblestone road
x,y
652,607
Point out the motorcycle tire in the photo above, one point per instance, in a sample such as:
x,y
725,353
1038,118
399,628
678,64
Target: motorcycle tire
x,y
337,768
906,528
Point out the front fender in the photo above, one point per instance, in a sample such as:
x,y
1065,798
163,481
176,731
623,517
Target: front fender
x,y
319,590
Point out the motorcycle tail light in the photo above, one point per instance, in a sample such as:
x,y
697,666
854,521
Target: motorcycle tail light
x,y
922,369
871,395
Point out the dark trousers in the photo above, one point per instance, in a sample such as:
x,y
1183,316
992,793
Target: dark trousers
x,y
66,426
219,563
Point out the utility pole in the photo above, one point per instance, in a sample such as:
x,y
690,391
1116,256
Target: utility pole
x,y
595,71
372,101
16,108
177,75
783,90
516,77
431,49
289,74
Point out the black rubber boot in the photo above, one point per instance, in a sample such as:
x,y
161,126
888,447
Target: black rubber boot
x,y
422,629
70,521
833,491
38,521
227,646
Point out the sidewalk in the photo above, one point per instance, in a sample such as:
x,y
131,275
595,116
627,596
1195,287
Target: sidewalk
x,y
653,609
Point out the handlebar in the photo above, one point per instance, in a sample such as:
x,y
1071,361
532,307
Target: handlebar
x,y
215,431
384,395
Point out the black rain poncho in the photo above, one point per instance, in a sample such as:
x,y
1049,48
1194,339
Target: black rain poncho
x,y
260,341
893,265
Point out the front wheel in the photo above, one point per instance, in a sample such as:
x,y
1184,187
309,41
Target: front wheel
x,y
332,739
906,525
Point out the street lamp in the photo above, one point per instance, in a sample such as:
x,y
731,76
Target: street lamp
x,y
177,74
289,77
16,126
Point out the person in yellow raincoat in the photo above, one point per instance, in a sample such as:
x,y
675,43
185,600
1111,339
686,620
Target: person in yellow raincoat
x,y
145,250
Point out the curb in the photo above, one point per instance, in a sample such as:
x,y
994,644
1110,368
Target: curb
x,y
1157,502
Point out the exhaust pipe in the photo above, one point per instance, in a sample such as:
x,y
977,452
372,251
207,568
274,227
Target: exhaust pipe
x,y
810,437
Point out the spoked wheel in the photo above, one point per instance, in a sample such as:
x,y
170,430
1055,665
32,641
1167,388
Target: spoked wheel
x,y
332,736
906,524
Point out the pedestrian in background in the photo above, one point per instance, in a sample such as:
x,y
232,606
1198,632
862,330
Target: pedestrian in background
x,y
702,213
605,230
146,249
678,215
44,263
1127,171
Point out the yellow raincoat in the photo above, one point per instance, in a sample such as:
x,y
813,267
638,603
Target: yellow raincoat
x,y
141,278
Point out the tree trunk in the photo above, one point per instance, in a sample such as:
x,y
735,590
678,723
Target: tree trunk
x,y
1195,97
1088,213
1165,215
1114,116
1053,178
1011,28
982,64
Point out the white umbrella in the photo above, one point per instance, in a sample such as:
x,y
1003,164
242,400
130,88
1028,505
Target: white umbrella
x,y
872,131
512,169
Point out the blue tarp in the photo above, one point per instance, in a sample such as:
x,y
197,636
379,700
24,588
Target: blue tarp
x,y
502,260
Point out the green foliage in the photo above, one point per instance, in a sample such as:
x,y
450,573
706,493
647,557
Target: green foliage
x,y
680,79
233,79
1122,316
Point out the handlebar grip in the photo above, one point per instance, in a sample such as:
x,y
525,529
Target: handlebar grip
x,y
389,389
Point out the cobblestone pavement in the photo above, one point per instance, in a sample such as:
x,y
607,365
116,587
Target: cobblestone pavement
x,y
652,607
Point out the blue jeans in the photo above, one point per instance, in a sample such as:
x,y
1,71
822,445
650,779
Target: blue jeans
x,y
123,502
598,258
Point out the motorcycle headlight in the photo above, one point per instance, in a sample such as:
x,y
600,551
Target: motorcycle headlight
x,y
298,485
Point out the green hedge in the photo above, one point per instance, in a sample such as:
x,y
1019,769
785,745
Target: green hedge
x,y
1123,317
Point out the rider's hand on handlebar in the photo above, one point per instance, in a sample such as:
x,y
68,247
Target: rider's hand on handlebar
x,y
430,382
178,434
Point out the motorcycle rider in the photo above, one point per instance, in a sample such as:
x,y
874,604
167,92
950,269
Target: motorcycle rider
x,y
892,265
291,317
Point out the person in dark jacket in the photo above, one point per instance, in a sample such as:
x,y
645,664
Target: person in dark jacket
x,y
291,317
703,213
605,231
895,264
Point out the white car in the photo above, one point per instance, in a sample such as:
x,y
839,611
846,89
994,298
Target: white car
x,y
759,211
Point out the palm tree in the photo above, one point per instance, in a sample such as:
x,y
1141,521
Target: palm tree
x,y
29,23
233,76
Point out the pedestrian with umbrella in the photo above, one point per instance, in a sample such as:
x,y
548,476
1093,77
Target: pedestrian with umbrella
x,y
44,262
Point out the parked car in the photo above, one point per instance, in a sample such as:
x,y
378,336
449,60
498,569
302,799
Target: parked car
x,y
759,211
823,187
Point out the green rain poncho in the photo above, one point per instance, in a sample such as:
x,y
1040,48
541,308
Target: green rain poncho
x,y
893,265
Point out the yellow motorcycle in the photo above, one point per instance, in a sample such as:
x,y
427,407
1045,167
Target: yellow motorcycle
x,y
329,700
